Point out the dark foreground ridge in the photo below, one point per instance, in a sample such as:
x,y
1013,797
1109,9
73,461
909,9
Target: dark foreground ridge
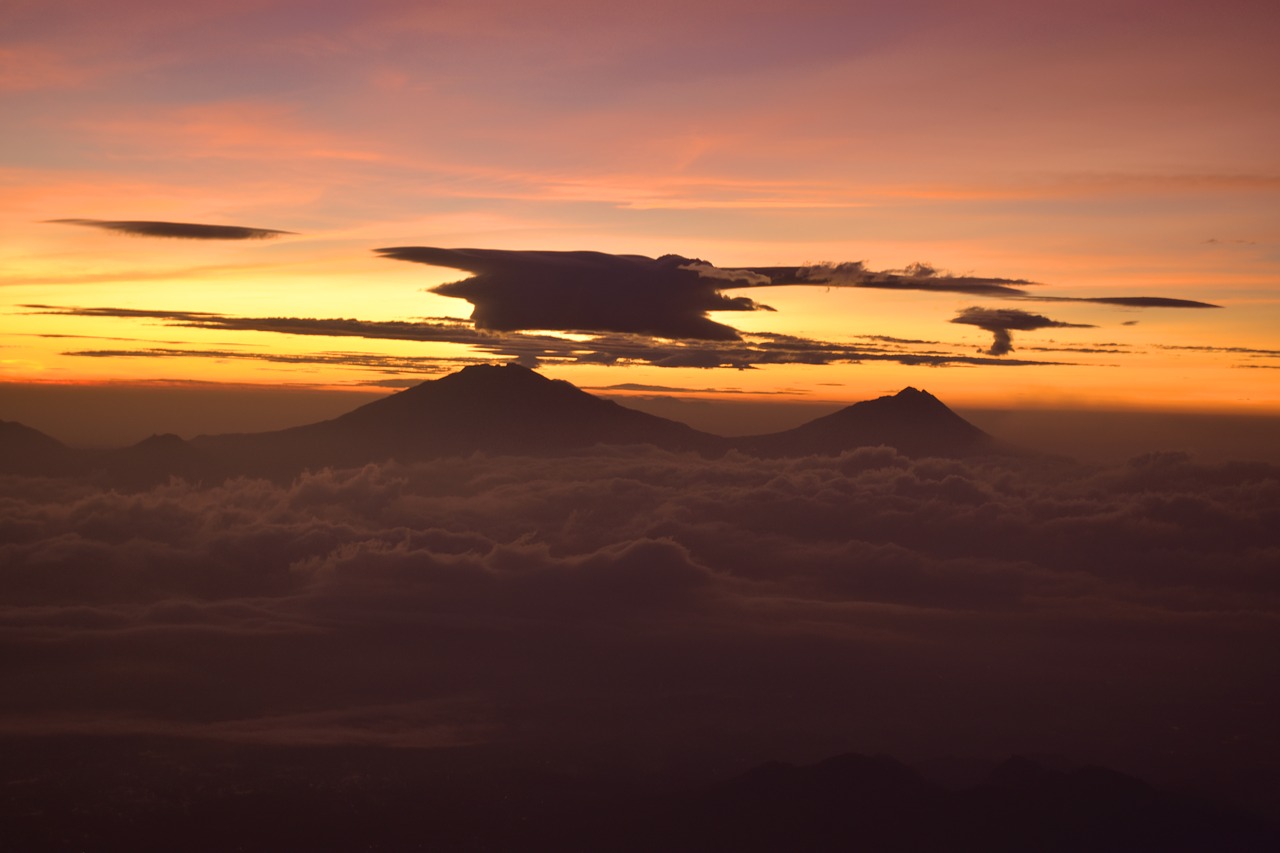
x,y
491,409
149,794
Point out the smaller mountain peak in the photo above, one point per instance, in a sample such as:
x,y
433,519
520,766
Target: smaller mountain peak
x,y
161,440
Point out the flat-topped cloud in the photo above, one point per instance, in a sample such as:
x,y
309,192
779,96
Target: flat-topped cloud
x,y
667,297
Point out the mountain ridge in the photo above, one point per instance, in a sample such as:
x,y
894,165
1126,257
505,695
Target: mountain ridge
x,y
512,410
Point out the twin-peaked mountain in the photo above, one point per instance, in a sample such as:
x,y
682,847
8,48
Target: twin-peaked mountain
x,y
498,410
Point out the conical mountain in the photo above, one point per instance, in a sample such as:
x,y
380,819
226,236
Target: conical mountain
x,y
155,460
24,450
488,408
914,422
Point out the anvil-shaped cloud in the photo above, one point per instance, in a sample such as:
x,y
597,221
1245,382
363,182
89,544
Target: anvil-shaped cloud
x,y
667,297
1001,322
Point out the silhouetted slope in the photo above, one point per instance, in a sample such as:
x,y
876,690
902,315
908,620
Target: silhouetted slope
x,y
507,409
874,803
914,422
849,802
78,793
155,460
24,450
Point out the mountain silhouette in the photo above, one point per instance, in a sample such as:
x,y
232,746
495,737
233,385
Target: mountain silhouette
x,y
914,422
860,802
487,408
24,450
160,794
155,460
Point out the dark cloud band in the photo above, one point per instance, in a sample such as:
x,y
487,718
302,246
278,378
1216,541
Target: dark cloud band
x,y
532,349
671,296
176,230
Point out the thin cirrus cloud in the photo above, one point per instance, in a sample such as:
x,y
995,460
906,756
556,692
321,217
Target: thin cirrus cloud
x,y
176,230
530,349
1002,322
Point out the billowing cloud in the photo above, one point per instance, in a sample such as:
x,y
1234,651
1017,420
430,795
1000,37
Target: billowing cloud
x,y
1001,322
177,230
771,605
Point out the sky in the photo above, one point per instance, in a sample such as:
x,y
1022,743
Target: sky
x,y
898,152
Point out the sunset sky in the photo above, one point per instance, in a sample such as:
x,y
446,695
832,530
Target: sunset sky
x,y
252,598
1082,151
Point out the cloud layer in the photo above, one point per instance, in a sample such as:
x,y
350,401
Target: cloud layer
x,y
868,602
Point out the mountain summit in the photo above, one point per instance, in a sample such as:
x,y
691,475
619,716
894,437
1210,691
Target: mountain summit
x,y
488,408
913,421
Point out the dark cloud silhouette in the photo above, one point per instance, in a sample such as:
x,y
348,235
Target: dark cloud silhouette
x,y
1001,322
589,291
670,297
177,230
610,348
1132,301
1266,353
925,277
918,276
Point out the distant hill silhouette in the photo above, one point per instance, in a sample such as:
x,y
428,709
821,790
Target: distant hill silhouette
x,y
491,409
914,422
155,460
155,794
875,803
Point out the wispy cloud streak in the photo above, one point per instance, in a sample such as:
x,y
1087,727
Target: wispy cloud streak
x,y
176,230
